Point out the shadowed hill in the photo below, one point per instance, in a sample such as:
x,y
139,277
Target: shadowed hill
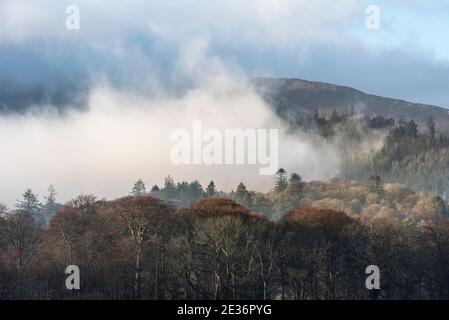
x,y
292,97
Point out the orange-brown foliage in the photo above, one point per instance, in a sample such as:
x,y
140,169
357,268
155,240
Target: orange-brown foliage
x,y
316,216
219,207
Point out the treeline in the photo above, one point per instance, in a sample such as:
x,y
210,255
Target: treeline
x,y
140,247
417,157
30,203
417,160
347,124
365,201
290,190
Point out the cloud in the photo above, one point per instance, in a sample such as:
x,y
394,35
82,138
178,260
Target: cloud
x,y
137,45
134,72
229,21
123,136
19,20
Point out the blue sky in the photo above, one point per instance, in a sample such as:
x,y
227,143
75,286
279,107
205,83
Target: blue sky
x,y
139,43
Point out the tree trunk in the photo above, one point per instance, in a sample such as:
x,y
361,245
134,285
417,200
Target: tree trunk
x,y
137,271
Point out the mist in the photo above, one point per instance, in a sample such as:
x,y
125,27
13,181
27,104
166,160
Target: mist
x,y
123,136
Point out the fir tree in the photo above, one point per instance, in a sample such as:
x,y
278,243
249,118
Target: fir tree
x,y
295,191
169,191
196,191
50,206
30,204
376,185
281,182
50,198
211,190
432,130
243,196
138,188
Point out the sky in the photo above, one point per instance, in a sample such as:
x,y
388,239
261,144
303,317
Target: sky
x,y
136,70
138,43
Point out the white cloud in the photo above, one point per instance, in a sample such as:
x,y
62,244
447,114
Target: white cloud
x,y
234,22
124,136
20,20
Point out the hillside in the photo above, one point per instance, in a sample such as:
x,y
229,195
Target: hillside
x,y
357,200
140,247
292,97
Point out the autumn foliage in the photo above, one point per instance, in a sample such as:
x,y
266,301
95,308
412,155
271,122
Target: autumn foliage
x,y
140,247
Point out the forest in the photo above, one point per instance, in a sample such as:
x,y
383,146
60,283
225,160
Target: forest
x,y
251,152
417,157
185,242
302,240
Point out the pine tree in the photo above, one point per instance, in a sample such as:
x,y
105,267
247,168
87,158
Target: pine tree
x,y
432,130
243,196
196,191
30,202
183,193
138,188
50,206
281,182
155,188
295,191
376,185
412,129
50,198
31,205
295,182
169,191
211,190
292,197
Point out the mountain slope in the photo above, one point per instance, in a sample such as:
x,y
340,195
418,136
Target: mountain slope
x,y
292,97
